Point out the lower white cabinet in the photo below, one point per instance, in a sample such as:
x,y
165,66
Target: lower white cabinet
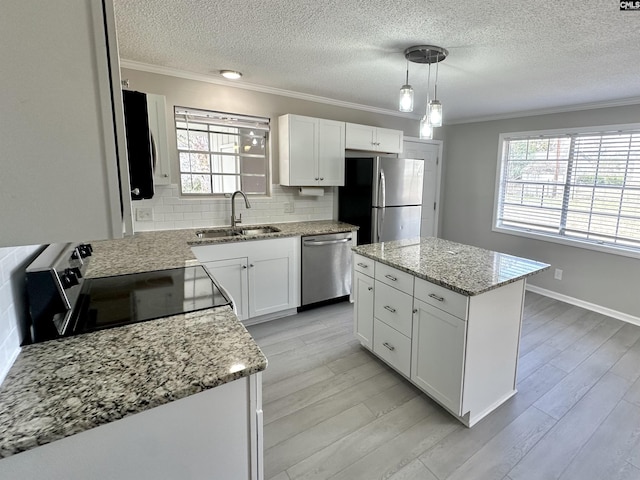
x,y
217,433
262,276
363,308
460,350
437,357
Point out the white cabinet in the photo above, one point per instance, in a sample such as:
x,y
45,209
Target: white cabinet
x,y
62,134
438,354
262,276
363,286
213,434
311,151
461,350
374,139
157,112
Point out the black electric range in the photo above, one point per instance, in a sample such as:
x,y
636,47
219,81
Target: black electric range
x,y
62,302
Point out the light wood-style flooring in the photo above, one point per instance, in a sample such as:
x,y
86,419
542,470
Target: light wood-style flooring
x,y
333,410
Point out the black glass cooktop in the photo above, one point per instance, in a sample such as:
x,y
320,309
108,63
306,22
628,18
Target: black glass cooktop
x,y
120,300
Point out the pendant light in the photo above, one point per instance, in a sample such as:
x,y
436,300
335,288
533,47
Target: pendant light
x,y
428,54
426,129
405,103
435,107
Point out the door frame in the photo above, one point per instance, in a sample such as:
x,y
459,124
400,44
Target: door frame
x,y
436,219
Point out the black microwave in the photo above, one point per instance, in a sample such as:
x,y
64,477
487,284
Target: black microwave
x,y
140,146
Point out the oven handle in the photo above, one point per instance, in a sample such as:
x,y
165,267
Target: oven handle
x,y
226,293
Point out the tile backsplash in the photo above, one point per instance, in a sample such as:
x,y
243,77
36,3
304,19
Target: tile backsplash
x,y
170,211
13,261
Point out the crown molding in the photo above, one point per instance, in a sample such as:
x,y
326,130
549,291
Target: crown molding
x,y
174,72
548,111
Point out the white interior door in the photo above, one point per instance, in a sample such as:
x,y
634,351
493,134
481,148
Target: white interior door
x,y
431,153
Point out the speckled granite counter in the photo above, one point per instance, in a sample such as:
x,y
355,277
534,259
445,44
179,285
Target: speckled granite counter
x,y
462,268
146,251
62,387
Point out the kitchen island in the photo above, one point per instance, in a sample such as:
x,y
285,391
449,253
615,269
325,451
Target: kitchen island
x,y
447,316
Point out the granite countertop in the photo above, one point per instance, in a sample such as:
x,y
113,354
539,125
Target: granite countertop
x,y
462,268
158,250
61,387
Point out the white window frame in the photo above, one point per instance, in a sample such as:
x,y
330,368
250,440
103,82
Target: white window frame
x,y
555,238
234,118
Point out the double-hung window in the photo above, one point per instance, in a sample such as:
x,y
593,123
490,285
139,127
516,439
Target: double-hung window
x,y
220,152
580,187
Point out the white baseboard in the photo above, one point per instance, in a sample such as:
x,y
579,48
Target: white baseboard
x,y
609,312
269,316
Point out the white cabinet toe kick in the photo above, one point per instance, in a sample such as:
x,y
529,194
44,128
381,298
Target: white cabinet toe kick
x,y
460,350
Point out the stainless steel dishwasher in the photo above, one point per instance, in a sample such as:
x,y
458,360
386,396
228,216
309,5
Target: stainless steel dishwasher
x,y
326,267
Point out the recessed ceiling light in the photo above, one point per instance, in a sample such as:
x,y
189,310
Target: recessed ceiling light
x,y
230,74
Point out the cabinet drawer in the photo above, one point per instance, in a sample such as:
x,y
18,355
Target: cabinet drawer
x,y
442,298
393,307
394,277
392,346
363,264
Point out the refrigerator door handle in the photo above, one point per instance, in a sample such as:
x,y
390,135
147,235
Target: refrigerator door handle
x,y
380,222
382,187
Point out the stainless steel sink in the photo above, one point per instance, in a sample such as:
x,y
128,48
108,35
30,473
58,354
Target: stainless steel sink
x,y
230,232
258,230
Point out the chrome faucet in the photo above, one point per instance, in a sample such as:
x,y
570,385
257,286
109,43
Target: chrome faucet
x,y
235,220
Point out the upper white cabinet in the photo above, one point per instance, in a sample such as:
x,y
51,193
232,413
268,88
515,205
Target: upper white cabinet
x,y
62,134
374,139
311,151
157,111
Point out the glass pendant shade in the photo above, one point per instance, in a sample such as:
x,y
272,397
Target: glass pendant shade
x,y
406,99
426,130
435,113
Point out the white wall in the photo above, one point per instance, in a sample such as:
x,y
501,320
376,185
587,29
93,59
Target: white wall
x,y
470,164
13,261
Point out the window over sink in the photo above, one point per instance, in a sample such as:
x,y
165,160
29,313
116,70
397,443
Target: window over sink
x,y
220,152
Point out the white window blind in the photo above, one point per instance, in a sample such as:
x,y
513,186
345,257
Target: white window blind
x,y
220,153
582,186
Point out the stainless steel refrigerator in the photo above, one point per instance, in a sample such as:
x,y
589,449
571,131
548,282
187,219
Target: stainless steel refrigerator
x,y
383,196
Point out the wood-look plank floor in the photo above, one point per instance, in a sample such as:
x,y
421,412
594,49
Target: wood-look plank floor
x,y
333,410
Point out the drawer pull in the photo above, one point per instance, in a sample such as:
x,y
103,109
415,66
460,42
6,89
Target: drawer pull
x,y
363,265
391,309
390,347
436,297
369,288
392,278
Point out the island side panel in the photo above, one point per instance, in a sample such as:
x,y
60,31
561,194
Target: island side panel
x,y
493,336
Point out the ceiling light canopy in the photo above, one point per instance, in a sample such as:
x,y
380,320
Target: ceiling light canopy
x,y
230,74
425,54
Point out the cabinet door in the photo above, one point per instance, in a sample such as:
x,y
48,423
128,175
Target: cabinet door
x,y
437,354
363,293
360,137
303,150
232,275
61,119
388,140
157,108
331,152
273,282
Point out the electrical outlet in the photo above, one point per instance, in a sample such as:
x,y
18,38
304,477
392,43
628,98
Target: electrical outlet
x,y
558,274
144,214
289,207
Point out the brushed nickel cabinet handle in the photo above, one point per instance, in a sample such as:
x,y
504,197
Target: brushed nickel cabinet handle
x,y
392,278
436,297
363,265
390,347
370,288
415,310
391,309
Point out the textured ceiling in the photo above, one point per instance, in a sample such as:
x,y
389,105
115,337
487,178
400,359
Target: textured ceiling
x,y
504,56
